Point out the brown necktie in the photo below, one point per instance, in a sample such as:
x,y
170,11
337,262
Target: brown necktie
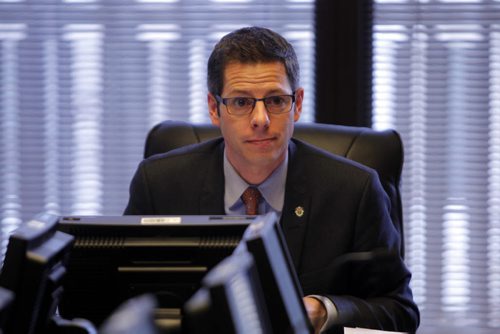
x,y
251,197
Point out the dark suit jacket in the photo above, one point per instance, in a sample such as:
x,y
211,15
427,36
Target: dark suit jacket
x,y
345,210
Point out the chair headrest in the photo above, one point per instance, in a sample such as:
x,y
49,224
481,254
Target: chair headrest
x,y
380,150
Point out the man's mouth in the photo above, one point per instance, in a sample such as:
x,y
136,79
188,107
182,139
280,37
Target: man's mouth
x,y
261,140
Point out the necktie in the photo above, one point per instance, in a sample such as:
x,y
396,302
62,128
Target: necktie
x,y
251,197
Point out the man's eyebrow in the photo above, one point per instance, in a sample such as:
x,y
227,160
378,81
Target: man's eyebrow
x,y
276,92
239,92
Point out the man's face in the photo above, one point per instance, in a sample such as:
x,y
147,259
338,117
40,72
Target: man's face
x,y
260,139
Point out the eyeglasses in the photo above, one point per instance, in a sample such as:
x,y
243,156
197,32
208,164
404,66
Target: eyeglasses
x,y
278,104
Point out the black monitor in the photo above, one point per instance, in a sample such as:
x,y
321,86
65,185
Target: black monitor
x,y
115,258
230,301
6,299
283,295
33,270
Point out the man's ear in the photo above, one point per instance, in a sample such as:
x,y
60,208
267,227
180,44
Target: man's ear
x,y
299,98
213,109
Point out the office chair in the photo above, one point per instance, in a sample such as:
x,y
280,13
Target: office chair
x,y
380,150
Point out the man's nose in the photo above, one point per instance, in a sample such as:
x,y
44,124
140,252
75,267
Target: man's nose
x,y
260,117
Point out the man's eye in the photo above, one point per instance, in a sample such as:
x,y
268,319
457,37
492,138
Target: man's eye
x,y
275,100
241,102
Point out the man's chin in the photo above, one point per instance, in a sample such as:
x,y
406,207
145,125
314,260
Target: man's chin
x,y
265,159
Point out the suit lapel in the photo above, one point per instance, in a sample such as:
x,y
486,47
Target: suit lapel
x,y
296,210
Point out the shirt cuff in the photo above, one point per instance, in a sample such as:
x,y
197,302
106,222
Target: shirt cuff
x,y
331,311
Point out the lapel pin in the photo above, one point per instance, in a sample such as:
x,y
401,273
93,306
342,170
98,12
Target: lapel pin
x,y
299,211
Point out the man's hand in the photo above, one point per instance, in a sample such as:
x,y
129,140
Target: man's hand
x,y
316,312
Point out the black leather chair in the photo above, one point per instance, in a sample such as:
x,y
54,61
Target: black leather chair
x,y
380,150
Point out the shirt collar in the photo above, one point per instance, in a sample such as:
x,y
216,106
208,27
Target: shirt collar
x,y
272,189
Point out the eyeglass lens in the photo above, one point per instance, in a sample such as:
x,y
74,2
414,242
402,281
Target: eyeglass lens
x,y
245,105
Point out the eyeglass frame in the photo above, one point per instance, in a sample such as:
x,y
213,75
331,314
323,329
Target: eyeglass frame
x,y
223,100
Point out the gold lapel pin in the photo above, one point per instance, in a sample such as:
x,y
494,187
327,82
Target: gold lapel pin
x,y
299,211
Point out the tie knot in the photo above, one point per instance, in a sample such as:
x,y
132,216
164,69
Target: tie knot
x,y
251,197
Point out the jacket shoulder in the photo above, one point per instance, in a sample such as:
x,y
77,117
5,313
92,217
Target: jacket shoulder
x,y
316,157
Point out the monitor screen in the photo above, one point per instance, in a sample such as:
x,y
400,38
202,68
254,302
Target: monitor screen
x,y
115,258
33,270
283,295
230,301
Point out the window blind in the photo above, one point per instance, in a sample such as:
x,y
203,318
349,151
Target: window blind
x,y
436,79
82,81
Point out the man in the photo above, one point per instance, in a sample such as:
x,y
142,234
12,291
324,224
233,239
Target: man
x,y
328,206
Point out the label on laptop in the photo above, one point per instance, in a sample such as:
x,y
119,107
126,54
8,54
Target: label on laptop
x,y
160,220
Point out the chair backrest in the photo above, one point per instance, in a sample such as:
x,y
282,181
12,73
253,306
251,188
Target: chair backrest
x,y
380,150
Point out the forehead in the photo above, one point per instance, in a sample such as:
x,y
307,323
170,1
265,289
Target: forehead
x,y
255,77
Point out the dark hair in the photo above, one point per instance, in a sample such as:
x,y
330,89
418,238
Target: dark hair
x,y
251,45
